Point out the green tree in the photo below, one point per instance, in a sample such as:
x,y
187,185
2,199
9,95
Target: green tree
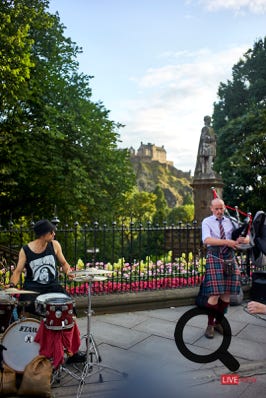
x,y
15,45
138,206
240,124
58,147
183,213
188,199
162,208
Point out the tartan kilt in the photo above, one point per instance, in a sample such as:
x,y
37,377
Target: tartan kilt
x,y
215,282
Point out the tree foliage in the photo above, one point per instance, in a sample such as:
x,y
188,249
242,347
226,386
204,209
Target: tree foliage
x,y
162,208
240,124
138,206
15,45
183,213
57,146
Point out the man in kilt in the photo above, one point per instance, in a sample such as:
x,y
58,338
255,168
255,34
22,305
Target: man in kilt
x,y
222,277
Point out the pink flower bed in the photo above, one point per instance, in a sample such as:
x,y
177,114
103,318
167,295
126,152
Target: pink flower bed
x,y
108,287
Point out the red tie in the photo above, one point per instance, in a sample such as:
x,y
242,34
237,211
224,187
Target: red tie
x,y
222,235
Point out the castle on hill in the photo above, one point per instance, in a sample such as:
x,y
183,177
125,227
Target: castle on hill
x,y
150,152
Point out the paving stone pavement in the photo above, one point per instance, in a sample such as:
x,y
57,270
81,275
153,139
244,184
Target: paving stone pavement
x,y
142,344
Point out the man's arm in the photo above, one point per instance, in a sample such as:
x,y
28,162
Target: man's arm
x,y
61,258
19,268
221,242
212,241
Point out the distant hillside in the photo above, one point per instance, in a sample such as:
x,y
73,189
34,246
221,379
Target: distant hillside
x,y
175,183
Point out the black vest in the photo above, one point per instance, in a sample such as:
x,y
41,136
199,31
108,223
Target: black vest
x,y
41,268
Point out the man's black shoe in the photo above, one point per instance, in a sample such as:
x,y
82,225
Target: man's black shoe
x,y
76,358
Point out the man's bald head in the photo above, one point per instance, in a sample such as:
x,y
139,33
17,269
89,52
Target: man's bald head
x,y
217,207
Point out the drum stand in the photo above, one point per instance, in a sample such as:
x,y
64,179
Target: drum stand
x,y
93,358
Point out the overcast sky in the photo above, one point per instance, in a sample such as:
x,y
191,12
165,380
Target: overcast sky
x,y
157,64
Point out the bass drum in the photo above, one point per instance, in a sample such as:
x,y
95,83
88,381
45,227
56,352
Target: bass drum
x,y
19,342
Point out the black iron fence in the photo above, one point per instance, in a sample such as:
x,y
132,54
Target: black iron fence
x,y
138,256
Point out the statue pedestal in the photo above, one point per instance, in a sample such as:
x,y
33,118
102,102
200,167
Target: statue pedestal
x,y
203,194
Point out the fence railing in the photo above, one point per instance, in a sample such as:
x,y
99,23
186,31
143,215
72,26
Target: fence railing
x,y
138,256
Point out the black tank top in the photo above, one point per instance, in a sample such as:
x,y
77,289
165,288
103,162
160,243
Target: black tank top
x,y
41,268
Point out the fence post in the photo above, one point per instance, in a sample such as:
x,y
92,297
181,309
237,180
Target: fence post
x,y
76,224
113,241
131,241
104,243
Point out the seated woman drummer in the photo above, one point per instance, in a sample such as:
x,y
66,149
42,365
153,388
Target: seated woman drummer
x,y
39,257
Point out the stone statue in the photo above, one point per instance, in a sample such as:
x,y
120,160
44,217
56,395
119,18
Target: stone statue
x,y
206,151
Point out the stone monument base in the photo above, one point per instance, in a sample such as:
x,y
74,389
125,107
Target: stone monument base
x,y
203,195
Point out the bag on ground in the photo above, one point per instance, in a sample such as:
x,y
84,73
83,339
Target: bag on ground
x,y
36,378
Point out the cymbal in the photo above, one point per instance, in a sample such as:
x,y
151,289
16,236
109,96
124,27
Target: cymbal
x,y
89,278
13,290
90,271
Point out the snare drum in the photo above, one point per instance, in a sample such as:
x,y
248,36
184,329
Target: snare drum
x,y
57,308
19,342
7,305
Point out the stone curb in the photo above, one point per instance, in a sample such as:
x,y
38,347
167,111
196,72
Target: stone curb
x,y
147,300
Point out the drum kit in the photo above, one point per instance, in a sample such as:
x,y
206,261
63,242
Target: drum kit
x,y
57,311
93,363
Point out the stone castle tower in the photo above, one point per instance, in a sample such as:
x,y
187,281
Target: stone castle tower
x,y
150,152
